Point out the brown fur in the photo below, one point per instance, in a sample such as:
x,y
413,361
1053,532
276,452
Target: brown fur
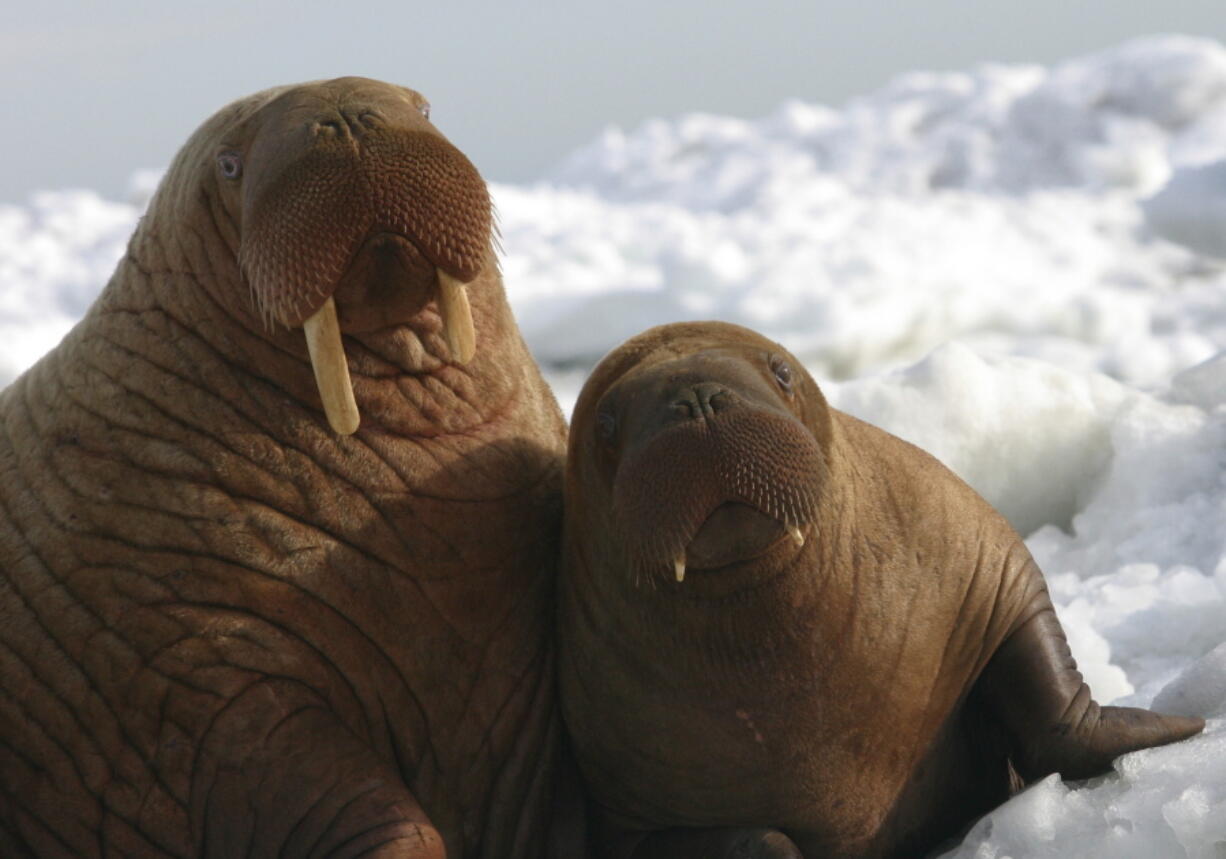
x,y
225,630
865,693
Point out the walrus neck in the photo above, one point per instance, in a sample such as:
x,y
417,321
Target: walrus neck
x,y
732,639
739,624
403,387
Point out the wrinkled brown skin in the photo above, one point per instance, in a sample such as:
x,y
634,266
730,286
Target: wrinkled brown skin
x,y
867,694
224,629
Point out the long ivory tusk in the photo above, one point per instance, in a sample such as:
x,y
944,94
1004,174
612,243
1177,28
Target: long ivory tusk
x,y
457,318
679,568
323,336
798,537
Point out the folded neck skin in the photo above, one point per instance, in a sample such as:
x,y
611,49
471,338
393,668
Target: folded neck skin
x,y
412,376
323,338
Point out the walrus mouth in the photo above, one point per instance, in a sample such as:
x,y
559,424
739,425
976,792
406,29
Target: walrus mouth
x,y
733,533
323,336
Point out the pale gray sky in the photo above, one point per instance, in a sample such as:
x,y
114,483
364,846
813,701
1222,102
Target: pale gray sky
x,y
95,90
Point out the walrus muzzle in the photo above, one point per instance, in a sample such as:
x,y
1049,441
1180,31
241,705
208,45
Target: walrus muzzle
x,y
705,493
357,188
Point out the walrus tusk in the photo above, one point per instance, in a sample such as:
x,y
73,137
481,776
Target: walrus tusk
x,y
457,318
794,530
679,568
323,336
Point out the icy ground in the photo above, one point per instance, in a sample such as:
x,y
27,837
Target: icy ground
x,y
984,262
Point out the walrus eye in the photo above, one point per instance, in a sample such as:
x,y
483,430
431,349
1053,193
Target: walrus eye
x,y
783,373
424,107
606,426
230,164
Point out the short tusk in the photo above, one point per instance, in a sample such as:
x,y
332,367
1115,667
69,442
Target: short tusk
x,y
679,568
457,318
798,537
323,336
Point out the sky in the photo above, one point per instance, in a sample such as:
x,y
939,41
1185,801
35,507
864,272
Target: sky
x,y
95,91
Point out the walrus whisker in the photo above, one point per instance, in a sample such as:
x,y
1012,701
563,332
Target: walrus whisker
x,y
255,300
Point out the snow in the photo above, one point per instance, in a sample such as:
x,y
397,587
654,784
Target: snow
x,y
1191,207
1017,268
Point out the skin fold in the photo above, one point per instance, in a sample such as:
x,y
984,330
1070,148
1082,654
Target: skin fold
x,y
227,630
784,632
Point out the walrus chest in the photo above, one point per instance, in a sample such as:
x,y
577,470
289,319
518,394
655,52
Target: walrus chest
x,y
808,729
179,583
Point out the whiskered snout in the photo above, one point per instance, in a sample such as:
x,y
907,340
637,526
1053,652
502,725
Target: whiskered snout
x,y
352,196
710,471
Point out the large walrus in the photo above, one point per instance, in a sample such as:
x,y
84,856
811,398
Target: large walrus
x,y
230,625
786,632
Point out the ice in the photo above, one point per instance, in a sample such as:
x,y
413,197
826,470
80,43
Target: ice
x,y
1191,208
1158,803
1031,437
1018,268
1001,205
1201,688
1116,119
55,254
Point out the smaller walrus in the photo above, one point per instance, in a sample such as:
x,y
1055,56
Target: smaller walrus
x,y
785,632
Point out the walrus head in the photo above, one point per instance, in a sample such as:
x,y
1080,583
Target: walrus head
x,y
705,444
346,210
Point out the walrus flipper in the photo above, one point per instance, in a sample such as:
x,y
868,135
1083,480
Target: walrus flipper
x,y
714,843
278,774
1053,722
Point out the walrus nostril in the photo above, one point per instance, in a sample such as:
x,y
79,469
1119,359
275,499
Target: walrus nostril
x,y
701,401
328,129
684,407
345,123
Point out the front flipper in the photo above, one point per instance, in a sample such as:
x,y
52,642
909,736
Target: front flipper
x,y
723,843
280,775
1053,723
